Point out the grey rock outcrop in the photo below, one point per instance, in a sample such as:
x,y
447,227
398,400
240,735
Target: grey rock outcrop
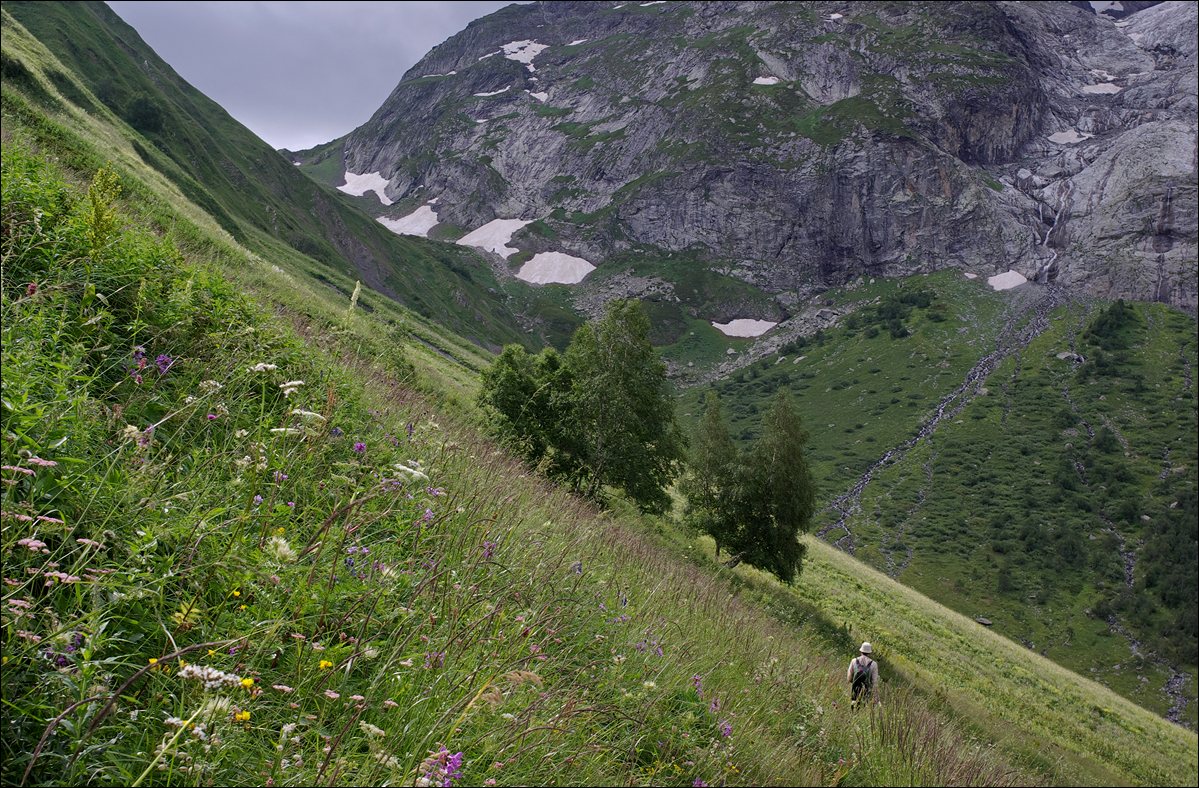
x,y
800,145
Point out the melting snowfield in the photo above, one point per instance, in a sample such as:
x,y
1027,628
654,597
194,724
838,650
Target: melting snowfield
x,y
1103,87
494,92
358,185
495,235
1007,280
524,52
744,327
541,96
766,81
419,222
1070,137
554,268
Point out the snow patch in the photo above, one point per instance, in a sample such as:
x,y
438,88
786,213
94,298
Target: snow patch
x,y
1103,87
1069,137
297,163
744,327
1007,280
484,120
835,17
358,185
541,96
494,92
766,81
419,222
652,2
969,275
523,51
494,236
578,41
446,74
554,268
490,54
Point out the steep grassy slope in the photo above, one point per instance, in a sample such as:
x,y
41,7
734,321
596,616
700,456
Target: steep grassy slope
x,y
547,642
105,69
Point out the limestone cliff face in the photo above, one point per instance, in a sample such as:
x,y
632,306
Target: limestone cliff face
x,y
800,145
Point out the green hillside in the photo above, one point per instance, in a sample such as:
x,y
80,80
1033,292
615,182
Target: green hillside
x,y
1089,558
250,535
253,193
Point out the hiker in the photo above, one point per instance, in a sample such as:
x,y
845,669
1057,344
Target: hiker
x,y
862,676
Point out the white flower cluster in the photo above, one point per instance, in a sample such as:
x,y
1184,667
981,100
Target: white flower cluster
x,y
280,550
411,473
291,387
210,386
260,367
210,677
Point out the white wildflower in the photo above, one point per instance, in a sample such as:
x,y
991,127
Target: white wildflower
x,y
649,685
210,677
130,433
210,386
216,707
264,368
291,387
412,473
307,414
287,431
280,550
175,722
241,433
372,730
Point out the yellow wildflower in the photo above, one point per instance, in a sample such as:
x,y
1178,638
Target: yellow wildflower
x,y
325,664
247,683
242,716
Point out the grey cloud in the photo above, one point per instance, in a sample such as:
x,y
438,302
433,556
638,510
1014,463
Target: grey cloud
x,y
297,73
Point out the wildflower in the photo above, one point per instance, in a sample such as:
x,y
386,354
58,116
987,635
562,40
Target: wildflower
x,y
280,476
235,593
211,678
428,516
372,730
307,414
324,664
649,685
89,543
164,363
697,681
242,607
286,431
411,473
153,661
726,728
18,469
440,768
577,567
242,716
359,447
714,706
257,500
699,783
336,432
241,433
210,386
290,387
390,704
488,550
260,367
280,550
31,290
286,690
211,417
33,545
40,462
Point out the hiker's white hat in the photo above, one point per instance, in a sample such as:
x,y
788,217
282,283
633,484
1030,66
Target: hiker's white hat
x,y
866,648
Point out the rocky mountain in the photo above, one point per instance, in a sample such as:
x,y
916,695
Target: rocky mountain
x,y
796,146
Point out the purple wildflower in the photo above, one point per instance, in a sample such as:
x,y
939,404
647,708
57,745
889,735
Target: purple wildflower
x,y
441,768
577,567
428,516
697,681
411,428
146,436
257,500
280,476
435,491
164,363
139,356
212,417
434,659
714,706
488,550
359,447
726,728
699,783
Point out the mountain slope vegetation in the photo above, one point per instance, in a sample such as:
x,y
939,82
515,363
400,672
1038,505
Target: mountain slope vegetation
x,y
249,535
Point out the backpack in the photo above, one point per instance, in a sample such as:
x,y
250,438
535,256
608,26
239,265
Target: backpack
x,y
862,681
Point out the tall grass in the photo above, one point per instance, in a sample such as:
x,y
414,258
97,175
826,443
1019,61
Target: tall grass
x,y
232,557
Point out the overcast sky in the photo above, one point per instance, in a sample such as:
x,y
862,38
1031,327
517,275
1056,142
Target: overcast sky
x,y
297,73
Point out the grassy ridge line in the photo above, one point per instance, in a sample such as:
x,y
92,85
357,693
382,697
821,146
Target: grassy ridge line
x,y
87,140
1094,730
